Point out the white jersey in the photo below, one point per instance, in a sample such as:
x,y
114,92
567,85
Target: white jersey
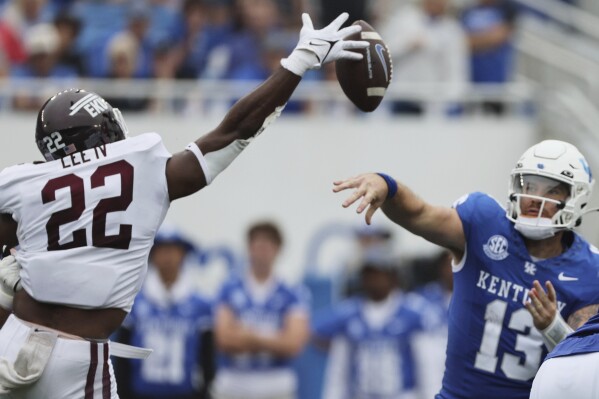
x,y
86,222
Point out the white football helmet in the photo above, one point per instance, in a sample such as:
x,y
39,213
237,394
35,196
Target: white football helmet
x,y
558,163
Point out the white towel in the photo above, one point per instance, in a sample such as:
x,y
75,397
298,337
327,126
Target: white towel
x,y
30,362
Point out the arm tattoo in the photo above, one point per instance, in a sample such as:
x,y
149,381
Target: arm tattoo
x,y
581,316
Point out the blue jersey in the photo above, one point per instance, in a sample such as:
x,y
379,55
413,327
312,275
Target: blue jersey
x,y
265,316
493,349
434,308
492,64
173,329
381,360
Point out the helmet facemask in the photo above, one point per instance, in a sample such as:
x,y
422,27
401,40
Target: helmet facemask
x,y
539,203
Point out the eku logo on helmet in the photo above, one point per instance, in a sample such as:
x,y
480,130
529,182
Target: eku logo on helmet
x,y
496,247
92,103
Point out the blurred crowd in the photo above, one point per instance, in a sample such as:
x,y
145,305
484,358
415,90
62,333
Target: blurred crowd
x,y
376,328
446,42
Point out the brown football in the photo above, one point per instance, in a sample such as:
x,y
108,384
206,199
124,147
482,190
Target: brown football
x,y
365,82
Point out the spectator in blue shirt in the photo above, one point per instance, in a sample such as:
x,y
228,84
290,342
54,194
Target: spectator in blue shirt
x,y
489,25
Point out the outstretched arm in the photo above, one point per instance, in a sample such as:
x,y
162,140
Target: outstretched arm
x,y
439,225
189,171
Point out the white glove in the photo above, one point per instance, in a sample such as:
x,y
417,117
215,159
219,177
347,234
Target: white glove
x,y
317,47
10,280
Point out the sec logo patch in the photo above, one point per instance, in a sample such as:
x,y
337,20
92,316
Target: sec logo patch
x,y
496,247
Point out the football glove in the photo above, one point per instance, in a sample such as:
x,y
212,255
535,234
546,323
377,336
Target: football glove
x,y
10,280
317,47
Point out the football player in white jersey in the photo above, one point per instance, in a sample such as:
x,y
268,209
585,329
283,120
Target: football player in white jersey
x,y
500,255
86,220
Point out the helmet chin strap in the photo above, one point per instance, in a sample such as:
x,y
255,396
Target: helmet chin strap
x,y
544,228
590,210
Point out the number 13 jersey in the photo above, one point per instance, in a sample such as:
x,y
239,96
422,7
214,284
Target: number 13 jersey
x,y
86,222
494,350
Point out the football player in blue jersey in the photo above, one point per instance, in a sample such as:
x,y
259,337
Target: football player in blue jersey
x,y
494,349
430,343
172,318
371,354
261,324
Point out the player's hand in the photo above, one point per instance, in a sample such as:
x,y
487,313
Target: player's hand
x,y
370,188
542,306
318,47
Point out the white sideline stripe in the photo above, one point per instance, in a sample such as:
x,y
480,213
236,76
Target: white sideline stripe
x,y
376,91
80,104
371,36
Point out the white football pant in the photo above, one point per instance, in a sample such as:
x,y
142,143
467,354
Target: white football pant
x,y
76,369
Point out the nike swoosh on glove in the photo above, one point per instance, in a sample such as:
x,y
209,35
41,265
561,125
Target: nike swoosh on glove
x,y
318,47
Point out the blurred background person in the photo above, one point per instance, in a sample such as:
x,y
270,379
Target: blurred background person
x,y
10,44
41,46
370,242
123,55
68,28
254,22
206,24
22,15
434,283
490,28
170,317
261,324
370,336
428,46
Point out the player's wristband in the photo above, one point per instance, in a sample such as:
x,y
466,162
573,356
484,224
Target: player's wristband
x,y
391,185
195,150
556,331
299,61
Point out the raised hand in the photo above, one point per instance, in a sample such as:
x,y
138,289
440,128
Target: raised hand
x,y
318,47
370,188
542,305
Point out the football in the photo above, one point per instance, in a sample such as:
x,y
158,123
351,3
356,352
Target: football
x,y
365,82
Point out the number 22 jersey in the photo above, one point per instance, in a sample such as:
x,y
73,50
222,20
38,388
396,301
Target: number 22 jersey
x,y
494,350
86,222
